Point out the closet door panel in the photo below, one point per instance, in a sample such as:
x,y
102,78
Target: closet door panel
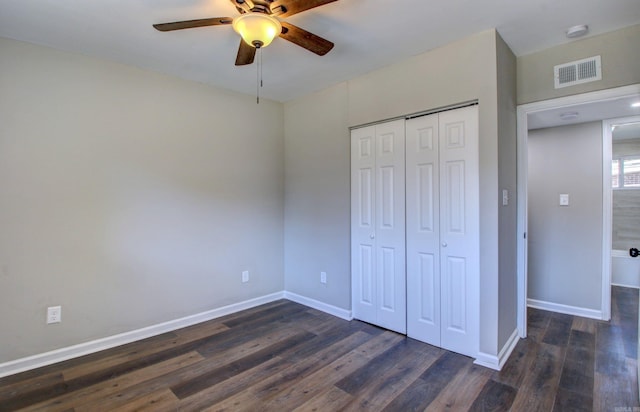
x,y
390,225
459,231
363,261
423,226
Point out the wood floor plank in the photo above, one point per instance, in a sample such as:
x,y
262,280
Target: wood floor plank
x,y
85,359
616,391
268,315
584,324
578,369
98,392
239,335
338,331
427,387
609,339
292,396
189,387
161,401
254,310
518,364
568,401
537,322
280,382
386,385
537,392
189,372
495,397
357,380
333,399
245,394
181,338
459,395
20,388
206,398
558,330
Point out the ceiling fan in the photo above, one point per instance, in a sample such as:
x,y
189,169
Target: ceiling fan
x,y
259,22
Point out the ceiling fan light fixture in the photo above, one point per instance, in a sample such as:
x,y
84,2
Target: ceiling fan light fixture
x,y
257,29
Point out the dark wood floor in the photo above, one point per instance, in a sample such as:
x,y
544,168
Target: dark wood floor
x,y
284,356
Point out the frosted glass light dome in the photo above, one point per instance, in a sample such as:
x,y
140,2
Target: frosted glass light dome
x,y
257,29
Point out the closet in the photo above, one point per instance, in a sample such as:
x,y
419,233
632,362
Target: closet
x,y
415,227
378,225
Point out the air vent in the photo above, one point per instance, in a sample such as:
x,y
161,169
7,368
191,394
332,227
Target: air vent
x,y
577,72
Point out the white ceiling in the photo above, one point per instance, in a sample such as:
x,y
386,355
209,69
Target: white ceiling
x,y
368,34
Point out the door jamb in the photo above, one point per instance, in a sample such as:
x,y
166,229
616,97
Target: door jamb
x,y
522,175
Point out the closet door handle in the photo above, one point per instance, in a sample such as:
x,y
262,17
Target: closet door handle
x,y
444,244
372,236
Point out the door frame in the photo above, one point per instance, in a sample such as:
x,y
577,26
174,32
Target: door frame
x,y
522,177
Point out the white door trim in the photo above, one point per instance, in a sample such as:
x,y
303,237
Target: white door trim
x,y
522,134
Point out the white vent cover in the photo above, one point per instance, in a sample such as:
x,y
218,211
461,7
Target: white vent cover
x,y
577,72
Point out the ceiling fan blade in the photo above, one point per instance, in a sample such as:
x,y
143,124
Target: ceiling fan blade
x,y
246,54
292,7
303,38
189,24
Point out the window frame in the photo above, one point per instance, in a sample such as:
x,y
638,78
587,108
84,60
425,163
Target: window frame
x,y
621,161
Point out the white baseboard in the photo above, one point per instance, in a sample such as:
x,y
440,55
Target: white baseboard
x,y
312,303
497,362
59,355
569,310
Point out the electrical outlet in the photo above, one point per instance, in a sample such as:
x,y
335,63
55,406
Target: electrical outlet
x,y
323,277
245,276
54,314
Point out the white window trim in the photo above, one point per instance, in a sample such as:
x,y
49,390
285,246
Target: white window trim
x,y
621,160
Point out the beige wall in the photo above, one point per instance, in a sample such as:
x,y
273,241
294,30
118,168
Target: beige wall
x,y
565,242
462,71
128,197
620,65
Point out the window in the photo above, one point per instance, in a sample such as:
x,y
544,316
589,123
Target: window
x,y
625,172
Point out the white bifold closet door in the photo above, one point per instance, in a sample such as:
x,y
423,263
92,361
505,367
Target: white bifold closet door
x,y
442,229
378,225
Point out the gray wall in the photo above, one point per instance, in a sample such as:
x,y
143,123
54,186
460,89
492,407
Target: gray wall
x,y
317,223
461,71
507,172
128,197
565,242
626,205
620,65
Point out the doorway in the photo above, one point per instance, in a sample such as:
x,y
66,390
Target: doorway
x,y
594,106
625,196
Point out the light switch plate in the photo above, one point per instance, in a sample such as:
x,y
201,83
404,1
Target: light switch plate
x,y
505,197
564,199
